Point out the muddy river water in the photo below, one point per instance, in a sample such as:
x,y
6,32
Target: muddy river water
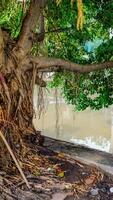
x,y
90,128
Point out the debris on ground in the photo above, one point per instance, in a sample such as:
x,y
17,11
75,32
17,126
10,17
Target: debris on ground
x,y
55,176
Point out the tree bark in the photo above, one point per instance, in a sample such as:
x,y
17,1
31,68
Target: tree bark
x,y
25,40
54,64
30,21
1,48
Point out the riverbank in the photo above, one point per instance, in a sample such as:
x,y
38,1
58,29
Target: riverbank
x,y
88,155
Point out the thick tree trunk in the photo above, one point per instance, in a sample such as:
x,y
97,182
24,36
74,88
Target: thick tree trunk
x,y
16,87
16,111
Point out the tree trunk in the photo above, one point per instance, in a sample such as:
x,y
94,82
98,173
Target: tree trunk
x,y
16,111
16,87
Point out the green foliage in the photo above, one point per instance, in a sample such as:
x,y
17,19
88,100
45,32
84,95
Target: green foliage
x,y
94,90
11,15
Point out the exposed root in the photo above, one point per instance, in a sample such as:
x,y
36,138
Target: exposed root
x,y
16,114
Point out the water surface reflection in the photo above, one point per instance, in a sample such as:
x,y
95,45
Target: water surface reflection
x,y
91,128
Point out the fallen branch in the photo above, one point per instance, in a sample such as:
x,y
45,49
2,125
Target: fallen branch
x,y
14,159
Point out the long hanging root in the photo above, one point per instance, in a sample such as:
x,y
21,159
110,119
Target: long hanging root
x,y
80,19
2,80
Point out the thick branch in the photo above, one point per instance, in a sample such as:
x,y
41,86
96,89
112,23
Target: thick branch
x,y
54,64
28,27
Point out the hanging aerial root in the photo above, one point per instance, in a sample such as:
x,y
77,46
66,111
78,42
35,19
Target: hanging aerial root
x,y
80,18
40,101
16,123
6,91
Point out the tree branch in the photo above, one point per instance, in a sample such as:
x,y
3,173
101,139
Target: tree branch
x,y
28,27
38,36
53,64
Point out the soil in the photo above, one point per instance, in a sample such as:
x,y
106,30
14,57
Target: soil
x,y
56,176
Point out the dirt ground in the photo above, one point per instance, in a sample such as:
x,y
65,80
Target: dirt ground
x,y
56,176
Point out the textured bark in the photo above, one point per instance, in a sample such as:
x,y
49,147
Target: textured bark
x,y
54,64
1,48
16,89
41,34
25,41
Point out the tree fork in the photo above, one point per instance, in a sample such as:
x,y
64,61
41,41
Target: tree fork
x,y
30,21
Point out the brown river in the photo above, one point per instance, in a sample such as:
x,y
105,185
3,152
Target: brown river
x,y
59,120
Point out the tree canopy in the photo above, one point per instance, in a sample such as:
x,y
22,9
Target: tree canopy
x,y
92,44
